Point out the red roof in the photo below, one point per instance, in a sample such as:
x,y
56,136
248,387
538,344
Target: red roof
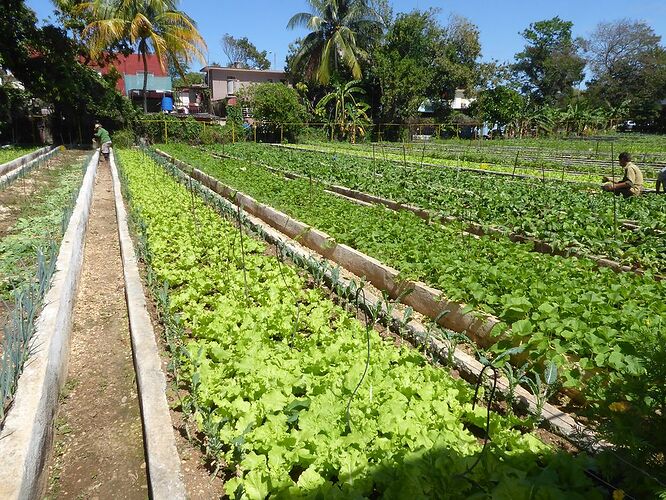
x,y
131,65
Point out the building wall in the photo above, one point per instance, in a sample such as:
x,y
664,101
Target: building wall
x,y
225,82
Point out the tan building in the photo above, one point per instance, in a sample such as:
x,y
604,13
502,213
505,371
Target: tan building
x,y
225,83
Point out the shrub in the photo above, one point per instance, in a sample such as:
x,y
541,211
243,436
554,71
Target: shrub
x,y
278,107
124,138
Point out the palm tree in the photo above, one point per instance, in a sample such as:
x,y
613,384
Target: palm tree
x,y
155,26
335,27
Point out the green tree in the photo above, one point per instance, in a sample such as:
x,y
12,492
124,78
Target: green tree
x,y
628,66
275,105
500,106
346,112
550,65
48,63
155,26
420,59
336,29
242,51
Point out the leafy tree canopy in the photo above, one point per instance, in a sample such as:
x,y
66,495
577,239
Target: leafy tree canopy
x,y
550,64
243,52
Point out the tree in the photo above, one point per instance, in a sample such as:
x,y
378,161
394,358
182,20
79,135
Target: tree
x,y
275,105
348,114
336,29
48,63
499,106
420,59
243,52
550,65
628,66
147,26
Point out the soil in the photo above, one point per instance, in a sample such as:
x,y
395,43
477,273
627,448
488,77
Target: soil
x,y
98,449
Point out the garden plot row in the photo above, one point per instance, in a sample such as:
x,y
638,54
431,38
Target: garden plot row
x,y
565,219
646,148
56,218
572,161
12,153
366,199
21,166
280,384
602,328
470,162
33,218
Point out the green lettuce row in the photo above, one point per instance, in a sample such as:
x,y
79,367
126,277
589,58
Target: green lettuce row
x,y
271,366
563,216
560,307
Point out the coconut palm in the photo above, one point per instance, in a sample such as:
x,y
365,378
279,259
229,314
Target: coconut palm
x,y
335,28
149,26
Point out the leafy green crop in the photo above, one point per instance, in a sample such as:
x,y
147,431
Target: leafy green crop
x,y
564,309
563,215
272,402
11,153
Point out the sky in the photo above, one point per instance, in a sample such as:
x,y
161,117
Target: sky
x,y
500,22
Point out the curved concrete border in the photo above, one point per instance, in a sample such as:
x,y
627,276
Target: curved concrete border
x,y
557,420
164,474
11,170
424,299
26,438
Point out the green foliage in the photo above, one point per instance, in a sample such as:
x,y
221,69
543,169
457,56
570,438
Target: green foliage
x,y
277,107
341,31
271,398
628,64
550,64
124,138
499,106
243,52
46,60
420,59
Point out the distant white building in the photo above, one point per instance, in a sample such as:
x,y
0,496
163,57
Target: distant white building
x,y
459,103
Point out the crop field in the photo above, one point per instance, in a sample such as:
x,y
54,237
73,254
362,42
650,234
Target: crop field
x,y
564,216
11,153
603,329
543,164
33,214
283,430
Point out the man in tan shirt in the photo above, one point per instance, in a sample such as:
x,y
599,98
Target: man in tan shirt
x,y
632,182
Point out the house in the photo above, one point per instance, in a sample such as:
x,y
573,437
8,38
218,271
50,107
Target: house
x,y
130,82
225,83
190,99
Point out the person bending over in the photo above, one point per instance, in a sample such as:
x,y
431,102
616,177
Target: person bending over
x,y
661,181
104,140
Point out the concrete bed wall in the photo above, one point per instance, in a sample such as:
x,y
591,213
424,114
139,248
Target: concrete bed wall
x,y
27,435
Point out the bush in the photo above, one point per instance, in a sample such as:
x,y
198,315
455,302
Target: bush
x,y
277,107
124,138
170,128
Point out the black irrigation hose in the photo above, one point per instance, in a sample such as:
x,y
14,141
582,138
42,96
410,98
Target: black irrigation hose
x,y
486,437
367,362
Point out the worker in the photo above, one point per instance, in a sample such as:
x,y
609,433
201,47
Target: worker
x,y
103,139
661,181
632,182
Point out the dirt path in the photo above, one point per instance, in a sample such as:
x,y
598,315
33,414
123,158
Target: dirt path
x,y
98,449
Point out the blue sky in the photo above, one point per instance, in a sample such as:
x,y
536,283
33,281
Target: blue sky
x,y
264,21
